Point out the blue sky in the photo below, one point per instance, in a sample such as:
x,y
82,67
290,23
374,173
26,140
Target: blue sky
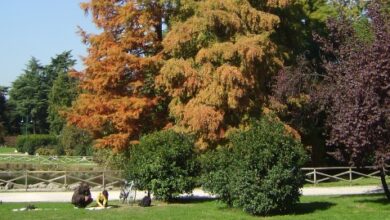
x,y
39,28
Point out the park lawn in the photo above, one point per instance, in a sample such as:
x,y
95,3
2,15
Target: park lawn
x,y
7,150
31,159
317,207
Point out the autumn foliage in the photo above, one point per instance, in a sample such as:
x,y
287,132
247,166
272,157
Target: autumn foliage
x,y
359,83
218,64
114,106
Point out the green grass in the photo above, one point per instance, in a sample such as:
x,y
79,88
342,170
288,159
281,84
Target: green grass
x,y
31,159
324,207
7,150
356,182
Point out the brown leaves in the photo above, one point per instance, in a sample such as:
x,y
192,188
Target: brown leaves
x,y
112,105
218,62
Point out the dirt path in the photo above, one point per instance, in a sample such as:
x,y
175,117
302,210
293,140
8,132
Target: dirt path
x,y
66,196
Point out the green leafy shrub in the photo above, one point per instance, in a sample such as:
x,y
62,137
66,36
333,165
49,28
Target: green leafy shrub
x,y
165,164
109,159
29,143
259,172
74,141
44,151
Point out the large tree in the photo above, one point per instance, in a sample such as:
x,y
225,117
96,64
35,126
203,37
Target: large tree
x,y
29,94
28,99
63,90
359,88
297,97
118,101
219,61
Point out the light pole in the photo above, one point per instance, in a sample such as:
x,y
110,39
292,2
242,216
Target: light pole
x,y
26,123
25,126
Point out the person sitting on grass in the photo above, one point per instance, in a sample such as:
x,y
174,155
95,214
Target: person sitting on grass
x,y
82,196
102,199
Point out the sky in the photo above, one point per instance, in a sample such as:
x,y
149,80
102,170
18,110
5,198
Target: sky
x,y
40,29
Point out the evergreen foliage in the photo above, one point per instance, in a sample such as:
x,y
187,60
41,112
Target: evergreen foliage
x,y
260,171
30,143
3,112
164,163
74,141
63,90
29,98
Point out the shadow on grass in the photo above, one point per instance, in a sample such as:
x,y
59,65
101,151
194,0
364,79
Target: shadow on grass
x,y
310,207
366,197
191,199
111,206
300,208
375,199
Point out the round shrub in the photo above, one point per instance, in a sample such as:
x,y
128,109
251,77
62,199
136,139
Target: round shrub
x,y
259,172
165,164
74,141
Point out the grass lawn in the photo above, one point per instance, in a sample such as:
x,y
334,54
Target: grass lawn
x,y
31,159
7,150
324,207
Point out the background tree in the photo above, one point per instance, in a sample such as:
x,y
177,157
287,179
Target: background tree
x,y
219,61
74,142
27,98
298,21
29,94
297,97
3,110
63,90
117,103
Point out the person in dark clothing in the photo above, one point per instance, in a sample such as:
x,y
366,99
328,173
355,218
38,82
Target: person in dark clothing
x,y
146,201
82,196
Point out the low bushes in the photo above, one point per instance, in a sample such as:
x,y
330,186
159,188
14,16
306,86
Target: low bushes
x,y
46,151
71,142
164,163
259,172
74,141
30,143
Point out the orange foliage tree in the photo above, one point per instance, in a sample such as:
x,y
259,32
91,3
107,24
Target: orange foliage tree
x,y
118,102
219,62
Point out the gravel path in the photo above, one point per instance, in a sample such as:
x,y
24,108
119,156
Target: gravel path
x,y
66,196
347,190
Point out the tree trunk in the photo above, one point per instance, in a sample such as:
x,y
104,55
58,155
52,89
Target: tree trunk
x,y
159,30
384,184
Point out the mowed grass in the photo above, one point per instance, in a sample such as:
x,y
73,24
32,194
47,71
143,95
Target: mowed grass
x,y
324,207
32,159
7,150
